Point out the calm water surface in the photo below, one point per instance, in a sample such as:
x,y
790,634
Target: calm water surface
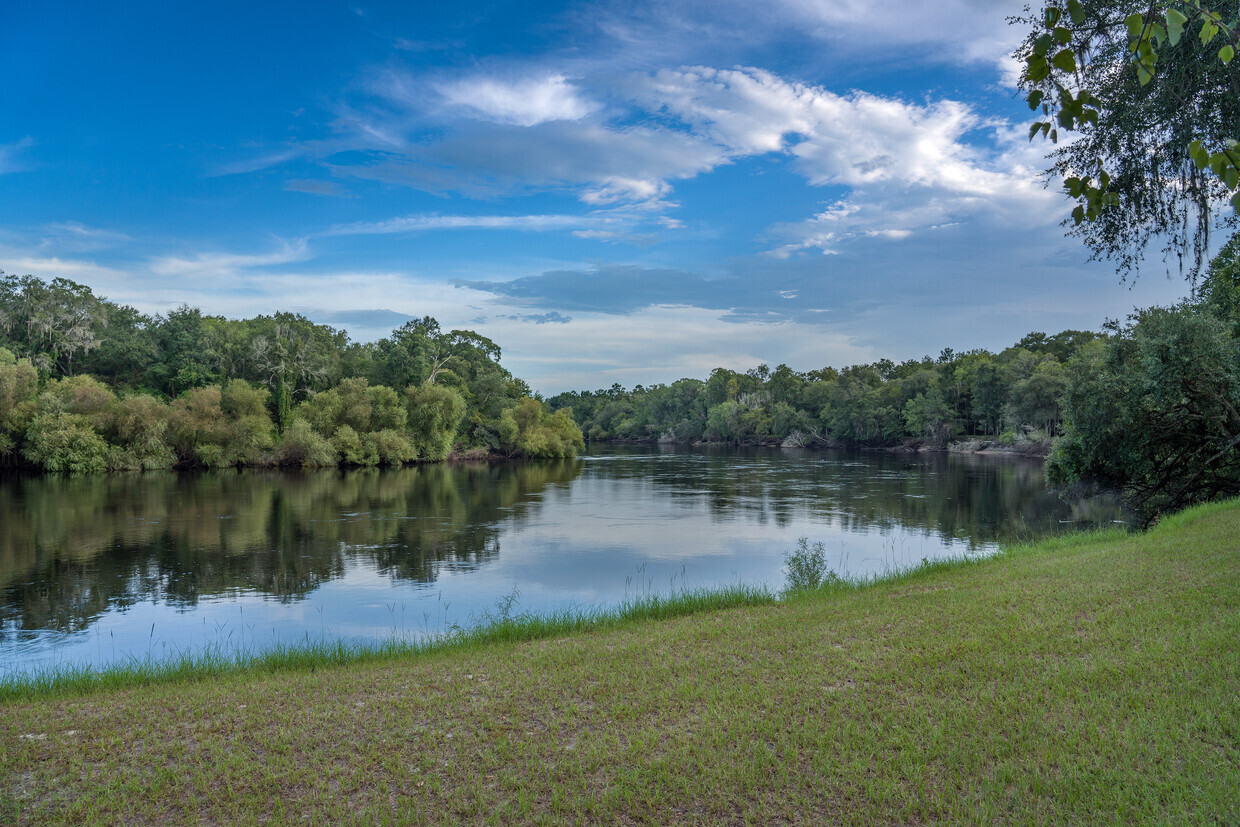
x,y
95,570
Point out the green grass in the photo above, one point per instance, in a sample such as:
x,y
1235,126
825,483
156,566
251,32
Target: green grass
x,y
1090,678
495,627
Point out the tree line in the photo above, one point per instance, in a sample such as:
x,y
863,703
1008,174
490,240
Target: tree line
x,y
1013,396
1149,407
87,385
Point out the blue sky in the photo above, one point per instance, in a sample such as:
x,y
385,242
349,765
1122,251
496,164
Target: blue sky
x,y
612,191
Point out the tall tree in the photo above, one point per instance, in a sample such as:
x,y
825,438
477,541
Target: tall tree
x,y
50,322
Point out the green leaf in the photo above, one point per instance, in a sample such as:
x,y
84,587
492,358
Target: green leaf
x,y
1199,154
1144,75
1076,11
1078,215
1062,35
1175,25
1052,16
1226,53
1065,119
1034,130
1043,45
1231,177
1054,135
1135,23
1035,98
1037,68
1065,61
1208,31
1235,202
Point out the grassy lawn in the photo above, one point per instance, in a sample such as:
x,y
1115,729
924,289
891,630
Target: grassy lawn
x,y
1092,679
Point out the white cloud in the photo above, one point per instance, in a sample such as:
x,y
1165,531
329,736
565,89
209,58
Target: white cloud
x,y
852,140
522,102
929,163
603,165
79,230
659,344
909,167
620,189
421,223
226,265
97,276
945,30
10,155
314,187
75,237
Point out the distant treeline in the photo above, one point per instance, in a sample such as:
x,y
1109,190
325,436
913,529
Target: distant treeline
x,y
90,385
1014,395
1150,407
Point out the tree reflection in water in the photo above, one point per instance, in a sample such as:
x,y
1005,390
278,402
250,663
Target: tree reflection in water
x,y
75,548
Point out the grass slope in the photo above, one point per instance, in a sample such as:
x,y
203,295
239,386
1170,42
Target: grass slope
x,y
1090,679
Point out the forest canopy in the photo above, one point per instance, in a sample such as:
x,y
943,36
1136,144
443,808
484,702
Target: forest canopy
x,y
90,385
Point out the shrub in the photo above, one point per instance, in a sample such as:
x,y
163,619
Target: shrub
x,y
60,441
19,385
301,445
527,431
221,426
137,426
352,448
807,567
392,447
434,413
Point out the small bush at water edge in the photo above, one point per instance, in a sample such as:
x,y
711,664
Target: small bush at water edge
x,y
807,567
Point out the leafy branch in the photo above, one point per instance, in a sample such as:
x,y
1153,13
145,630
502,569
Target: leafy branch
x,y
1054,74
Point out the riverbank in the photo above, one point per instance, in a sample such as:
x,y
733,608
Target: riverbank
x,y
1080,679
1039,449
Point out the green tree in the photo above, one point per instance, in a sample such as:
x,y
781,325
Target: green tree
x,y
221,426
1153,412
287,350
1220,291
929,415
187,352
1035,398
19,385
434,414
50,322
529,431
1152,89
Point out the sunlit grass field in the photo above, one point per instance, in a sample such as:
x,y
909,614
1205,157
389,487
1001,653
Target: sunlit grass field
x,y
1094,678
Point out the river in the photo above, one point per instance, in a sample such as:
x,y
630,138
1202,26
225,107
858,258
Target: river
x,y
104,569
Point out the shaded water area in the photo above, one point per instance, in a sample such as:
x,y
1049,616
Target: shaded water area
x,y
104,569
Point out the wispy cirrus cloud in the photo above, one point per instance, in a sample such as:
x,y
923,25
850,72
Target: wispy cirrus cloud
x,y
220,265
431,222
11,159
316,187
